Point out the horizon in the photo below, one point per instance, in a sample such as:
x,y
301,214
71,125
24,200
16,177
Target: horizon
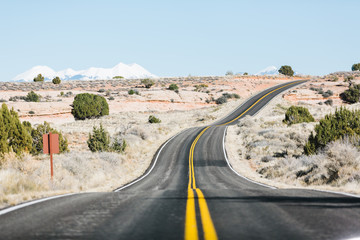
x,y
202,38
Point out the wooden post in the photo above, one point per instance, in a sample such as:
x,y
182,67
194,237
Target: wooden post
x,y
51,146
51,156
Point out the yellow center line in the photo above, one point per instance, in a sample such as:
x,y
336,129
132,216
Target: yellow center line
x,y
191,230
207,223
259,101
191,160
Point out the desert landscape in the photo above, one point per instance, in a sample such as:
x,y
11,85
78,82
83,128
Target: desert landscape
x,y
27,177
251,144
271,152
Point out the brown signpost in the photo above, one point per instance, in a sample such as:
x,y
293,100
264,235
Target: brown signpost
x,y
51,145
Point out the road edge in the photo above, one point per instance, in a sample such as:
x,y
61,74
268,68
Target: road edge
x,y
152,165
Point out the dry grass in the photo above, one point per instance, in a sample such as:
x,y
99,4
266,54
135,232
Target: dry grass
x,y
271,152
26,177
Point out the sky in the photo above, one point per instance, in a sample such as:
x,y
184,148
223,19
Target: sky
x,y
180,38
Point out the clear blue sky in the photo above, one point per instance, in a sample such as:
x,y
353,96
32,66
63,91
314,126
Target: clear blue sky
x,y
178,38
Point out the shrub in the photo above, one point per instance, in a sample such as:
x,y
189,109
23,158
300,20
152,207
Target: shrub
x,y
245,74
297,115
131,92
333,127
198,88
111,98
329,102
153,119
327,94
88,105
148,83
99,140
352,95
56,80
39,78
37,136
118,77
221,100
348,78
229,73
119,145
286,70
31,112
13,135
101,90
355,67
235,95
173,87
32,97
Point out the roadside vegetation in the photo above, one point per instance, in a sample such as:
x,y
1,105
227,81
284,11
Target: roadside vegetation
x,y
352,95
343,123
322,154
297,115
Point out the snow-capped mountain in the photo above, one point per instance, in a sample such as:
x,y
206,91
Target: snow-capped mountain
x,y
125,70
271,70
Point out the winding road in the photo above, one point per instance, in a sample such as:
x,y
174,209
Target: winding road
x,y
191,192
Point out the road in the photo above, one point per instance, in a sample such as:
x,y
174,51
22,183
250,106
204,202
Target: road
x,y
190,192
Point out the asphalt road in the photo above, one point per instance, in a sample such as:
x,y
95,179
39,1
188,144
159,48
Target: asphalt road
x,y
192,193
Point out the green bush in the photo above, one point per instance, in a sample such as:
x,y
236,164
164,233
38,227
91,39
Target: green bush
x,y
245,74
119,145
32,97
148,83
286,70
37,137
355,67
153,119
173,87
39,78
118,77
131,92
297,115
352,95
13,135
99,141
333,127
88,105
56,80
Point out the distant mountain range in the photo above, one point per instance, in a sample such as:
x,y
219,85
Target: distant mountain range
x,y
125,70
271,70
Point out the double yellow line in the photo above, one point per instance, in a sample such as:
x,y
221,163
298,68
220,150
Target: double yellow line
x,y
191,229
260,100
